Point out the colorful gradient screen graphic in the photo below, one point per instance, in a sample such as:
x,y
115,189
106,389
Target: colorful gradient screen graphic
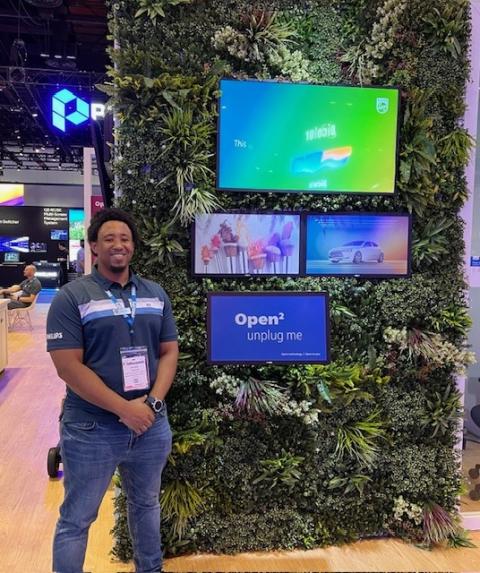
x,y
306,138
358,245
247,244
11,194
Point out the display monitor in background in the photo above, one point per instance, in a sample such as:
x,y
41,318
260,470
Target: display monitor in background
x,y
267,327
73,248
12,194
358,244
246,244
14,244
11,257
76,221
306,138
58,234
37,247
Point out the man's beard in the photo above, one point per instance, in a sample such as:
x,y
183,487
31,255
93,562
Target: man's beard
x,y
117,269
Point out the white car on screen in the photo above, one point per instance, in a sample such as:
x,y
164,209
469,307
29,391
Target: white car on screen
x,y
357,252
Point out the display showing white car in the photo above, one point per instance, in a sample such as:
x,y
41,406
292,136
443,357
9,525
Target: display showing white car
x,y
356,252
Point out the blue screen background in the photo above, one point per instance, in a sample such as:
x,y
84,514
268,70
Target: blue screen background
x,y
305,314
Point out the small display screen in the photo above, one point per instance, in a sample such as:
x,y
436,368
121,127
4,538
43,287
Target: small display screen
x,y
268,327
11,257
58,234
247,244
358,244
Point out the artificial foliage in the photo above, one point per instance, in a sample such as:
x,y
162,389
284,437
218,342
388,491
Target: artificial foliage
x,y
270,457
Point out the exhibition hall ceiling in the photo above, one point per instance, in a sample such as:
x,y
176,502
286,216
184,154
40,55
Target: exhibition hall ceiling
x,y
47,45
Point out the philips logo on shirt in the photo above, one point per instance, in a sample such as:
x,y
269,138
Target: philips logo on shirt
x,y
54,335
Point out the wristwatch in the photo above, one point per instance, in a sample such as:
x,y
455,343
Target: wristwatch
x,y
158,406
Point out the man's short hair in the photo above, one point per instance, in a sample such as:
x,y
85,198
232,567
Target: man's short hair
x,y
111,214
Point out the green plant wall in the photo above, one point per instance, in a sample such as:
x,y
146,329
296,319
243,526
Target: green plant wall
x,y
314,455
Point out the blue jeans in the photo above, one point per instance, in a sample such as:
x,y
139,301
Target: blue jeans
x,y
90,453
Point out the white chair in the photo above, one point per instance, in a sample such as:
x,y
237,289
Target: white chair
x,y
17,315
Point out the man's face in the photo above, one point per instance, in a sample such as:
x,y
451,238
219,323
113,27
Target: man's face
x,y
114,246
28,272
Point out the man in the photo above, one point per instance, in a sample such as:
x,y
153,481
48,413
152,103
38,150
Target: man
x,y
62,258
80,261
113,340
24,294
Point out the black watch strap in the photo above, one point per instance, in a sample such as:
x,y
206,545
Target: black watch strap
x,y
157,406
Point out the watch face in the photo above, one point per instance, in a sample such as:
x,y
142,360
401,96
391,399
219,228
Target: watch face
x,y
157,405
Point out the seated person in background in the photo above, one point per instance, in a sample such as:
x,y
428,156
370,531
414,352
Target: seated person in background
x,y
22,295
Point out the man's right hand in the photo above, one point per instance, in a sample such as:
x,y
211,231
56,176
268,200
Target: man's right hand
x,y
137,415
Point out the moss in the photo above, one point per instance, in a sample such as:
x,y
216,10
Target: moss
x,y
175,63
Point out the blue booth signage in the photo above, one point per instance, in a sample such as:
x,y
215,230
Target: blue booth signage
x,y
68,108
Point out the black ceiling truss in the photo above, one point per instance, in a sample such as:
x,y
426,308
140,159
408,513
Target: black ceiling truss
x,y
46,45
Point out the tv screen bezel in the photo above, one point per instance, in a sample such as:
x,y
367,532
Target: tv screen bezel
x,y
309,191
304,234
246,275
322,294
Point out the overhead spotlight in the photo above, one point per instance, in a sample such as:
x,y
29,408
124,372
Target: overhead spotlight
x,y
18,53
17,74
34,114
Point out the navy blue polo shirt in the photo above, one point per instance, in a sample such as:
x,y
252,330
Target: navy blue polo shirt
x,y
82,316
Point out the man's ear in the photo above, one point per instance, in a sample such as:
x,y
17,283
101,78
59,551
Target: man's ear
x,y
92,248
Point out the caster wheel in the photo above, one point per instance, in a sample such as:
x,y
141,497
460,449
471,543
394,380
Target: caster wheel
x,y
474,473
474,494
53,462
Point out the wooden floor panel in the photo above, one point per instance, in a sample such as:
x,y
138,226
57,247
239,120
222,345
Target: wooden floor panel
x,y
30,397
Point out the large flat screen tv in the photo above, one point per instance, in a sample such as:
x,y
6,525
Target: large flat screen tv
x,y
357,244
306,138
268,327
246,244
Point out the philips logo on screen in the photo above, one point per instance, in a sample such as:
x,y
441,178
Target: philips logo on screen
x,y
383,103
67,108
